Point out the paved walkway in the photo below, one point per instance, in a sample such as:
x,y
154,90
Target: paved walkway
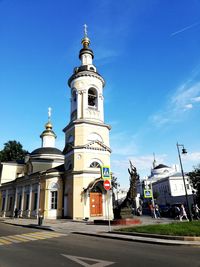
x,y
67,226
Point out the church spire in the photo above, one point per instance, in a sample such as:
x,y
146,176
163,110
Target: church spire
x,y
86,54
48,136
154,161
85,41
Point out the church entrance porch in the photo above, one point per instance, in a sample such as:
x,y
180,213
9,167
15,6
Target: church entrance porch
x,y
96,204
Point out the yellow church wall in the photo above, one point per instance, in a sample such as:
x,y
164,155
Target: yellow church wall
x,y
45,200
40,166
77,199
82,160
10,171
82,132
69,195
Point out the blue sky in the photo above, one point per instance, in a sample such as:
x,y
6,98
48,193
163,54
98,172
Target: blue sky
x,y
148,53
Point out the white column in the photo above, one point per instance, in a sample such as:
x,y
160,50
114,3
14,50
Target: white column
x,y
100,106
15,202
22,203
30,202
83,103
38,200
79,104
5,205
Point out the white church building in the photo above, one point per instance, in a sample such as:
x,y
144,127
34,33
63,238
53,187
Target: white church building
x,y
167,185
68,183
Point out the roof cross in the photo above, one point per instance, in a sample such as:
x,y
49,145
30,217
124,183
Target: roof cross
x,y
85,30
49,113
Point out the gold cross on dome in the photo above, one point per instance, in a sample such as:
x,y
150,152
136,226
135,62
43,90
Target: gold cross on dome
x,y
49,113
85,30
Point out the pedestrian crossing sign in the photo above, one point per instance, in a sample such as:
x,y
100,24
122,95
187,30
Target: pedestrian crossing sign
x,y
105,172
148,193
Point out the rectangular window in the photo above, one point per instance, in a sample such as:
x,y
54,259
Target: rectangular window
x,y
27,201
10,203
54,196
187,186
35,201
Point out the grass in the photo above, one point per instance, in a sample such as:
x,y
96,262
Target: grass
x,y
178,229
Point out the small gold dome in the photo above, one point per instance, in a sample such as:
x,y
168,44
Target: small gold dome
x,y
85,42
48,125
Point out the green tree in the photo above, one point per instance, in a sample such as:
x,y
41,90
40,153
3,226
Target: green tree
x,y
195,180
12,150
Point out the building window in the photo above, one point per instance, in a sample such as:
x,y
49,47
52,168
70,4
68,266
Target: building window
x,y
10,203
27,201
187,186
54,198
35,201
95,164
92,97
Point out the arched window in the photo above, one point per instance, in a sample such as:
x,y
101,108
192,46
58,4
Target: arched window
x,y
95,164
94,136
92,97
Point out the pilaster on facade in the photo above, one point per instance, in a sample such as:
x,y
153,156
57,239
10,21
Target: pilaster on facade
x,y
5,203
30,201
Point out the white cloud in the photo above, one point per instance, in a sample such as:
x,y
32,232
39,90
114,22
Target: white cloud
x,y
123,144
182,100
185,93
196,99
195,156
185,28
143,164
188,106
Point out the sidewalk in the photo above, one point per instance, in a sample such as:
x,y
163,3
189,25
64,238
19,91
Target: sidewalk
x,y
104,231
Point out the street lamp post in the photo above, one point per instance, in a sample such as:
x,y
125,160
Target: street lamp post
x,y
186,194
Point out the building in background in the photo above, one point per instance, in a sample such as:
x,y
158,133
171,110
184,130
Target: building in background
x,y
167,185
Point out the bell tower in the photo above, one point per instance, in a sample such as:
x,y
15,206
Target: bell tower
x,y
87,146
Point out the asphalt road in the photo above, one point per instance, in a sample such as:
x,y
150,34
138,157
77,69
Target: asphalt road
x,y
75,250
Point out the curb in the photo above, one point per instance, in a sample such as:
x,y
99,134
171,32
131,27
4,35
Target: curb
x,y
47,228
150,240
168,237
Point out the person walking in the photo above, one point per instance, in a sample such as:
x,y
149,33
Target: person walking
x,y
183,213
176,212
152,211
157,212
196,212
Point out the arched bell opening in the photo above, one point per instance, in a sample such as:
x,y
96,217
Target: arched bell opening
x,y
92,98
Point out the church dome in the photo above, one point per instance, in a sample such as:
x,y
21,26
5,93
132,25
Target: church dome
x,y
46,150
161,166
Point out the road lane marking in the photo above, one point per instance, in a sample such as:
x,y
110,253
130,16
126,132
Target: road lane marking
x,y
13,239
81,261
3,241
10,239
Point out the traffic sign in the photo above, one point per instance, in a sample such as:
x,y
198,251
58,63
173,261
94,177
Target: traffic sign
x,y
148,193
107,185
105,172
